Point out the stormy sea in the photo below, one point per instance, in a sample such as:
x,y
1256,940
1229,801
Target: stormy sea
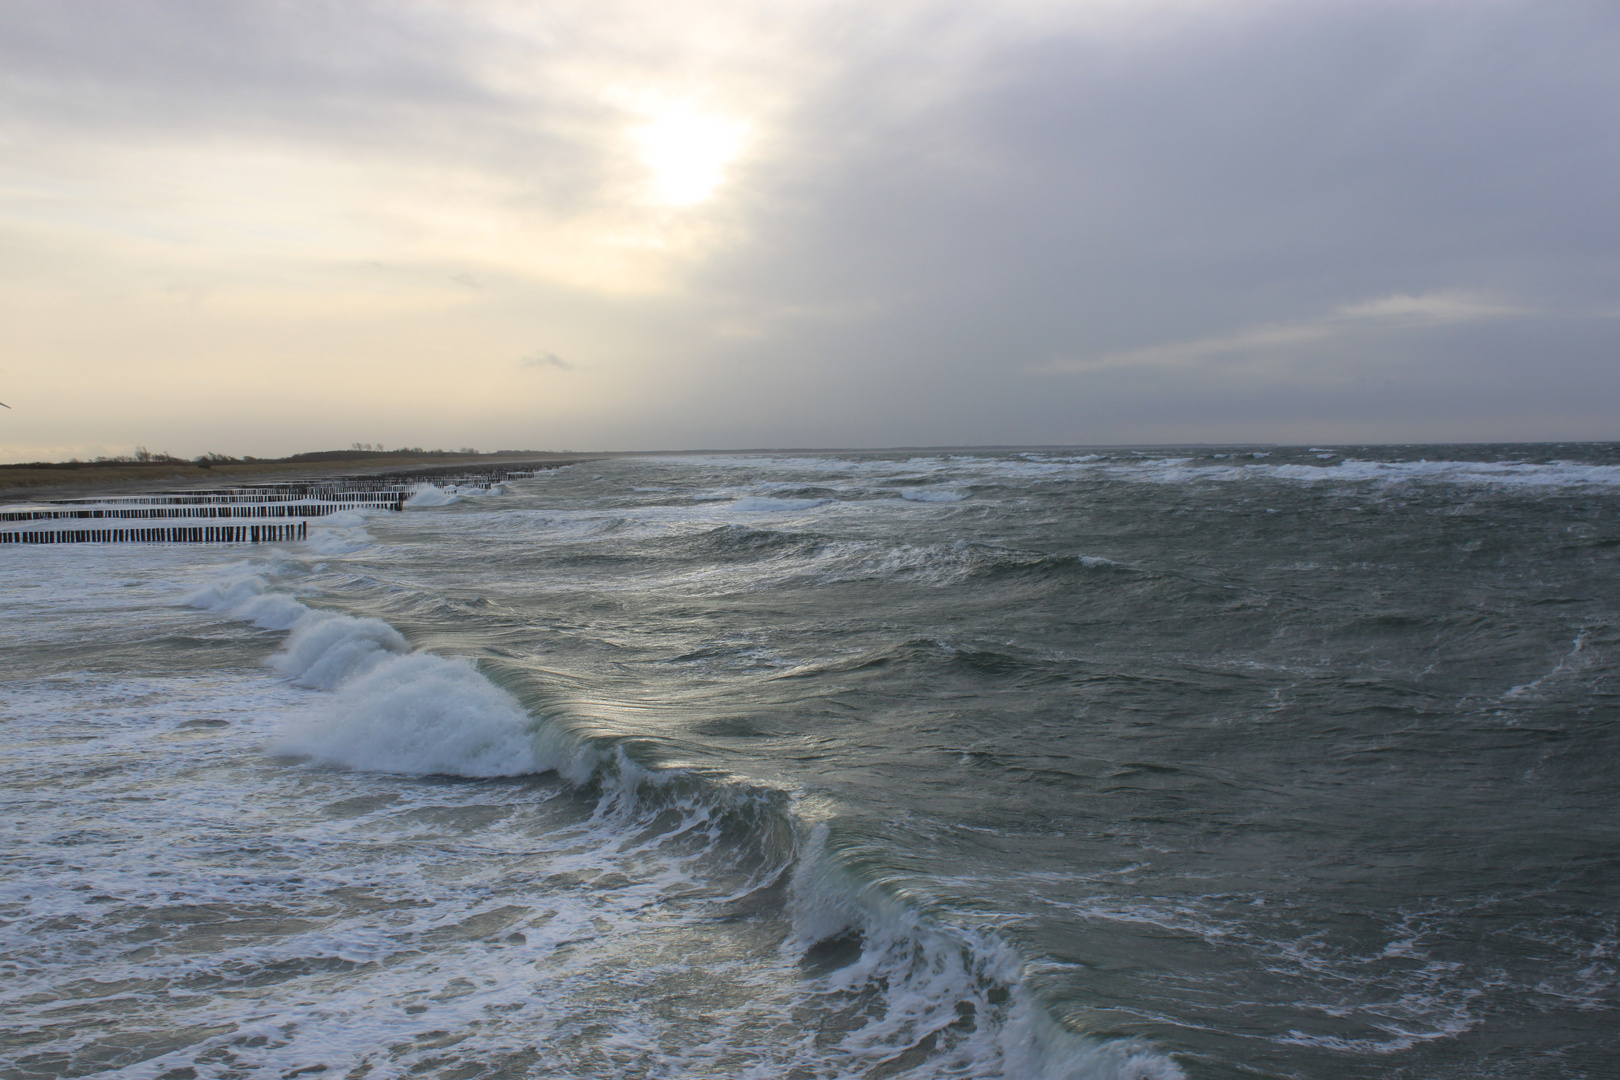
x,y
1060,764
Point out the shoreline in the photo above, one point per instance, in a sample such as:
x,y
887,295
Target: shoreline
x,y
25,484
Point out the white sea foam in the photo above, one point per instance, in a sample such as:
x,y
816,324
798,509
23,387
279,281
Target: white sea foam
x,y
1555,474
372,943
244,597
338,541
932,972
393,710
764,504
1570,661
325,650
433,861
957,469
415,714
343,519
1415,1001
430,495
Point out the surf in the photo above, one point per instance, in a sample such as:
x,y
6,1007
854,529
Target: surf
x,y
896,987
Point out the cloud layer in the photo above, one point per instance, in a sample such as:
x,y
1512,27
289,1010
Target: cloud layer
x,y
264,227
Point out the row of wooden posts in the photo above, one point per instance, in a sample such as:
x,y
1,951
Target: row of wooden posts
x,y
300,499
223,510
172,534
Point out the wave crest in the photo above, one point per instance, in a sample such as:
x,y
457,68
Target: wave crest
x,y
418,714
917,993
954,999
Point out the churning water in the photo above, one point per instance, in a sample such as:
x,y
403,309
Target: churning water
x,y
1125,765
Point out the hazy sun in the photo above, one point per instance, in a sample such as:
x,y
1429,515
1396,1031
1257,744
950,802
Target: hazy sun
x,y
687,152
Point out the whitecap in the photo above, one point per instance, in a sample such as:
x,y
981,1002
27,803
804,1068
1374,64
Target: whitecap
x,y
430,495
762,504
324,650
937,495
416,714
245,599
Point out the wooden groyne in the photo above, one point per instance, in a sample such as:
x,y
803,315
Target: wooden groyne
x,y
167,534
261,510
245,514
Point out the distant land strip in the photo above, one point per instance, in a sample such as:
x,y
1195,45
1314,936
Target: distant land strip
x,y
34,478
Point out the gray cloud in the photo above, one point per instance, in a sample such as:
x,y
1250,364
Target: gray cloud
x,y
1387,313
545,360
1245,183
971,223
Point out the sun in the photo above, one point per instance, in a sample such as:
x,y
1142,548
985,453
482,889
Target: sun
x,y
687,152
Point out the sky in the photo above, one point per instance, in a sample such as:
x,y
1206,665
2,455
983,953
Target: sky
x,y
268,226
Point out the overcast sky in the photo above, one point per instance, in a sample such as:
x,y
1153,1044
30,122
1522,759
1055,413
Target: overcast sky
x,y
263,227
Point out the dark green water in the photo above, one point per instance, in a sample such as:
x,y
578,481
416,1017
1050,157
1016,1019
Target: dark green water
x,y
1265,764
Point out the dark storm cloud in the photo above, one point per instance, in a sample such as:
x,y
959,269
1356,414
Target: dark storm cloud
x,y
1081,199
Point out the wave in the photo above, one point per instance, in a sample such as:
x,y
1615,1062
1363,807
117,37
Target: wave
x,y
918,650
1479,473
764,503
734,542
1224,468
935,999
423,495
954,1000
326,650
941,495
738,558
392,709
956,470
245,598
1505,474
946,564
429,495
420,715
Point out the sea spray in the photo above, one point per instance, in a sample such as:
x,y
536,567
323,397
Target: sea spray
x,y
929,994
916,992
245,597
1177,747
342,533
426,495
416,715
325,650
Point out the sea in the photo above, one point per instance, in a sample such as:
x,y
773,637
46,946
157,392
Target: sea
x,y
1203,763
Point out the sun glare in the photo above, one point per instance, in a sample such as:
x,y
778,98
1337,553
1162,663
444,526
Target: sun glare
x,y
687,153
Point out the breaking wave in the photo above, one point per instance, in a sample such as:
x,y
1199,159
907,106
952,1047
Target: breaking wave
x,y
928,997
953,471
